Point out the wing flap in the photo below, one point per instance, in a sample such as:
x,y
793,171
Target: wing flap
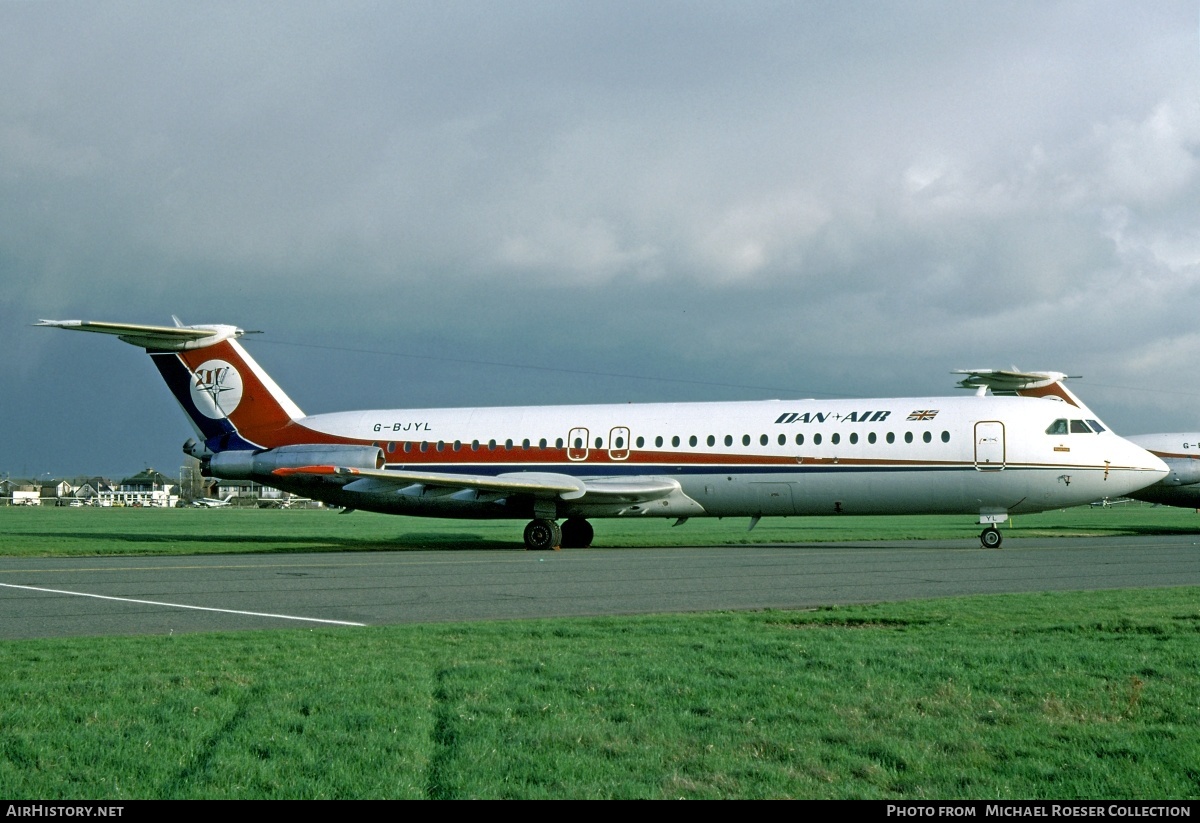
x,y
628,489
538,484
542,484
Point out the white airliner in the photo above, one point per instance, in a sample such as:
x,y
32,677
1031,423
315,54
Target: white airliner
x,y
982,454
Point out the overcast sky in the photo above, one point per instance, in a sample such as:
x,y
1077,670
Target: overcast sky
x,y
490,203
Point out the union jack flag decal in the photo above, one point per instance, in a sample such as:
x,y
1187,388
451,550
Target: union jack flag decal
x,y
923,414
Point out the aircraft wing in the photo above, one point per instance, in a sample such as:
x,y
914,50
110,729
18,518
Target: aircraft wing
x,y
537,484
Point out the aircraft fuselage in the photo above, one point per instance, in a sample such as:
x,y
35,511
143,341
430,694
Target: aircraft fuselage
x,y
947,455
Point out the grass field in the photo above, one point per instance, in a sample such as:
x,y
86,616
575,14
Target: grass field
x,y
94,531
1092,695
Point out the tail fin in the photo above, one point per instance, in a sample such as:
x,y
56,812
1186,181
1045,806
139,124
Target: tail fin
x,y
231,402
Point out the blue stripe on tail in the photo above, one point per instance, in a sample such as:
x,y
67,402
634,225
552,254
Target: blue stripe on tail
x,y
219,433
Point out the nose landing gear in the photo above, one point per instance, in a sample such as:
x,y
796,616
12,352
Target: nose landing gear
x,y
991,538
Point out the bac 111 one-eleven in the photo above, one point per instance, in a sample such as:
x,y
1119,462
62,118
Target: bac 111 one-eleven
x,y
1021,443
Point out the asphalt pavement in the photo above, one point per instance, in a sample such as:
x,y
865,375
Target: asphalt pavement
x,y
98,596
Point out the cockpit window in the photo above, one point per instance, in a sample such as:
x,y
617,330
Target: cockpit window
x,y
1096,427
1079,427
1057,427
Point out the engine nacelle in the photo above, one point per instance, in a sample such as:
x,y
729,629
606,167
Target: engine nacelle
x,y
197,450
245,465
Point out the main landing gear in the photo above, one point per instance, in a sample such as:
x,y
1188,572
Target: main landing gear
x,y
577,533
991,538
543,534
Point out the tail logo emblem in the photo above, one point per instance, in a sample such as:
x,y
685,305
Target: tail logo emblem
x,y
216,388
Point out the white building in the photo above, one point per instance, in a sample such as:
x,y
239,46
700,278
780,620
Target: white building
x,y
146,488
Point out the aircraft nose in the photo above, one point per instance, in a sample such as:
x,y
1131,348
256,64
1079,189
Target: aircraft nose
x,y
1133,469
1150,464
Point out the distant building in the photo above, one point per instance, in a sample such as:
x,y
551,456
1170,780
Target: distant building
x,y
56,492
87,490
146,488
20,491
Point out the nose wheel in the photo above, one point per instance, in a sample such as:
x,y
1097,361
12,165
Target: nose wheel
x,y
991,538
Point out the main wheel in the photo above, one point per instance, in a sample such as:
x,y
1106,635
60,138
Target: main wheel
x,y
542,535
577,533
991,538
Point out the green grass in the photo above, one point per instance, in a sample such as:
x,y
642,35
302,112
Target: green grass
x,y
89,531
1088,695
1063,696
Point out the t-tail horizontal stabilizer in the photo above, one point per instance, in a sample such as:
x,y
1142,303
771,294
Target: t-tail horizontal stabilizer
x,y
157,338
233,405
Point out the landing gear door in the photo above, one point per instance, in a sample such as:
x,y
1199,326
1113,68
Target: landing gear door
x,y
618,443
989,445
577,444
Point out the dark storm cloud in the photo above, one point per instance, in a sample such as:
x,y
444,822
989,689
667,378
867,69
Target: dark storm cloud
x,y
744,200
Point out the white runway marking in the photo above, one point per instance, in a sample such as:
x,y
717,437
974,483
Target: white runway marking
x,y
182,606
